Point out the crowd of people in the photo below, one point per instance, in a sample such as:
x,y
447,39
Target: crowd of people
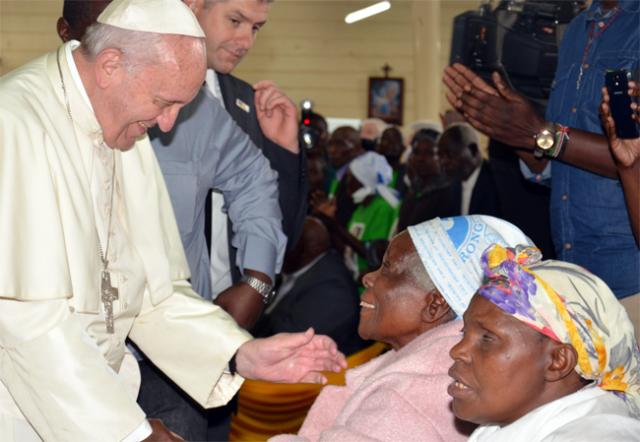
x,y
167,236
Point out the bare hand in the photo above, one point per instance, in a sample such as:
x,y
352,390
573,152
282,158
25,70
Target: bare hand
x,y
290,358
626,152
161,433
277,115
500,112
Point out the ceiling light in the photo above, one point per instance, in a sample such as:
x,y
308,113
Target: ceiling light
x,y
363,13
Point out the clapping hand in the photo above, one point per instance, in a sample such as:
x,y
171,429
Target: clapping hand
x,y
290,358
499,112
626,152
277,115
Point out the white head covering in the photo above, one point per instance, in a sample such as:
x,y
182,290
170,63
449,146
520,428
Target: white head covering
x,y
451,248
375,174
158,16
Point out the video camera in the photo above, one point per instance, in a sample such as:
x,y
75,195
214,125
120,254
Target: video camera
x,y
519,39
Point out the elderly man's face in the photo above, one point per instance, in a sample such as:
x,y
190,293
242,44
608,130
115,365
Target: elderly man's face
x,y
499,366
231,28
392,302
152,94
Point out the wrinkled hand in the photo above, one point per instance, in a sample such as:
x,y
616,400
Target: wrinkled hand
x,y
321,204
500,112
626,152
161,433
277,115
289,358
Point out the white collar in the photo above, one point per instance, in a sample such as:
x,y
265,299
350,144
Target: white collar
x,y
75,75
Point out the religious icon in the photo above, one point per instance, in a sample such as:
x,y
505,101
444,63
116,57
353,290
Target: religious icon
x,y
385,99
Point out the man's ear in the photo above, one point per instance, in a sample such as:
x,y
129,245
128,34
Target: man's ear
x,y
63,28
109,67
435,307
563,360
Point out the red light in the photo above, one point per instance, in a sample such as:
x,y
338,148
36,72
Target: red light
x,y
306,121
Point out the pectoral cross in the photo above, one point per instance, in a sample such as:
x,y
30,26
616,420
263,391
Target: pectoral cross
x,y
108,294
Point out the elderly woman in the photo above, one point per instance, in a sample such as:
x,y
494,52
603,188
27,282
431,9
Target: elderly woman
x,y
427,278
548,354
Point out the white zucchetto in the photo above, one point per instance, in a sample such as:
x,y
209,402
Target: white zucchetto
x,y
158,16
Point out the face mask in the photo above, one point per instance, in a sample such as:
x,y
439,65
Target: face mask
x,y
368,144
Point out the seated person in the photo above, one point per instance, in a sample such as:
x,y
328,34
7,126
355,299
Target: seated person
x,y
548,354
374,218
344,145
370,131
317,291
411,304
391,146
432,193
459,151
376,212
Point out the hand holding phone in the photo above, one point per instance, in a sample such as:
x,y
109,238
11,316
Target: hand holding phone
x,y
617,84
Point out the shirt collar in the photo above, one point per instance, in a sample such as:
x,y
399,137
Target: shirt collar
x,y
75,75
595,11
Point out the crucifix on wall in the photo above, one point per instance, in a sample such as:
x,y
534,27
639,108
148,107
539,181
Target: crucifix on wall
x,y
386,97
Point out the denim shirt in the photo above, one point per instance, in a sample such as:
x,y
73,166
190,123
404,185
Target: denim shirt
x,y
589,219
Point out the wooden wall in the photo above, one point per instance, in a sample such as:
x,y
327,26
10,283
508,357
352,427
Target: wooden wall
x,y
306,48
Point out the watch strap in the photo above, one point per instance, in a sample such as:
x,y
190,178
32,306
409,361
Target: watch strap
x,y
265,290
561,139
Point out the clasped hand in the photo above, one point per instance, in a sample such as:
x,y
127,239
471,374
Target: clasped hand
x,y
499,112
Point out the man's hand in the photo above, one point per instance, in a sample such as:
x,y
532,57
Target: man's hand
x,y
243,302
161,433
500,112
626,152
277,115
289,358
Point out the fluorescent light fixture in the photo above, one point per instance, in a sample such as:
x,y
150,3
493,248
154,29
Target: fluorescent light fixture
x,y
363,13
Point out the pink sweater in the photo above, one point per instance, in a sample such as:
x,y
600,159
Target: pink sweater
x,y
398,396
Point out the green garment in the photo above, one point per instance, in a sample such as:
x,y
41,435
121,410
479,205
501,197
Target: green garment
x,y
375,221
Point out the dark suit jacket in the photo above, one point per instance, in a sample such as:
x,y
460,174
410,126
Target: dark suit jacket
x,y
292,172
484,197
325,298
443,202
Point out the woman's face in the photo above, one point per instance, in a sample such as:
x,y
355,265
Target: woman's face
x,y
499,366
423,163
392,302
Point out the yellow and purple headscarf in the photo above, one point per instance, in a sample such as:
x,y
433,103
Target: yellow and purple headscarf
x,y
568,304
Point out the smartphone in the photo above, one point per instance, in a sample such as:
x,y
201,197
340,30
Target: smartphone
x,y
620,103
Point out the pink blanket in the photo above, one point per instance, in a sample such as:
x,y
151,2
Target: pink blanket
x,y
399,396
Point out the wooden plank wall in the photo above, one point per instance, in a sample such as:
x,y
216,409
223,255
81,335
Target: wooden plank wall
x,y
306,47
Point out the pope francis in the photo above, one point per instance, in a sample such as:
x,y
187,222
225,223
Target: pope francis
x,y
90,250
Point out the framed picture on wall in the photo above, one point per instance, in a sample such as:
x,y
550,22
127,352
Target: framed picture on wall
x,y
385,99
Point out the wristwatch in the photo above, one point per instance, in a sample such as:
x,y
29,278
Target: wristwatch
x,y
265,290
545,139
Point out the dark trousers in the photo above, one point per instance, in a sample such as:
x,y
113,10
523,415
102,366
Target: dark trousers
x,y
160,398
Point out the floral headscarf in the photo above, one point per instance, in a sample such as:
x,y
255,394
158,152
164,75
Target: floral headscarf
x,y
570,305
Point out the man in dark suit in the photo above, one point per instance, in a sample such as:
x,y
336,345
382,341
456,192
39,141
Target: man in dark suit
x,y
317,291
476,192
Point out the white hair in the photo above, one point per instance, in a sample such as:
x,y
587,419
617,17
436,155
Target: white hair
x,y
379,124
139,49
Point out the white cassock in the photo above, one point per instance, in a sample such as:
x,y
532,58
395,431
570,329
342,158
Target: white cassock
x,y
57,362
